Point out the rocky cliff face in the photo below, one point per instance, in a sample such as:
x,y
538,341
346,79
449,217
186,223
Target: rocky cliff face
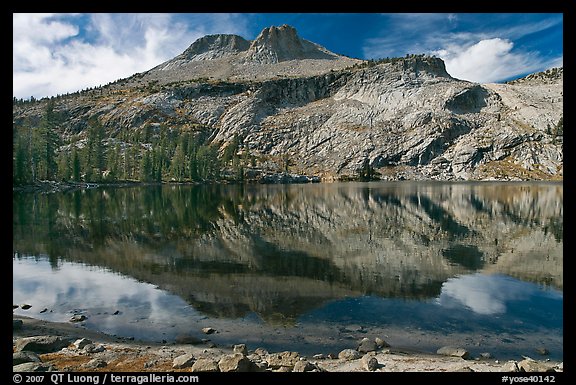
x,y
215,46
293,102
277,44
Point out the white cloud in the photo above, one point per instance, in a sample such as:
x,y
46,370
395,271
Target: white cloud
x,y
55,54
477,54
489,60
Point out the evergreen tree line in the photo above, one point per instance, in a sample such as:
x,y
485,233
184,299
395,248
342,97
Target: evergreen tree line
x,y
154,154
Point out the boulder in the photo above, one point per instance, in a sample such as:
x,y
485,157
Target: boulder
x,y
367,345
303,366
33,367
286,358
236,362
530,365
380,343
453,352
23,357
349,354
205,365
240,348
41,344
369,362
183,361
81,343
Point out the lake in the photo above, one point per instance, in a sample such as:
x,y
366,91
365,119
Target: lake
x,y
310,268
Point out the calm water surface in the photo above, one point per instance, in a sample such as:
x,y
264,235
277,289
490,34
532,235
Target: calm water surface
x,y
311,268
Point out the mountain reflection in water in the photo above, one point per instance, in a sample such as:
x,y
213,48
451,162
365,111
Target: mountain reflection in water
x,y
277,255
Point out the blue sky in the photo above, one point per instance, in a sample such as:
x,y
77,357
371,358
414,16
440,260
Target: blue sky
x,y
60,53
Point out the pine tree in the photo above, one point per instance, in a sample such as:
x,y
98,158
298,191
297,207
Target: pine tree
x,y
47,142
95,156
21,168
76,167
64,166
178,163
208,162
113,163
146,170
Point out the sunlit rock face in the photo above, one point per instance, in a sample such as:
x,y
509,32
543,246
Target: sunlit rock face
x,y
293,101
280,251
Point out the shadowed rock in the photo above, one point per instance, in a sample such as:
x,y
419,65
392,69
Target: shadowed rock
x,y
41,344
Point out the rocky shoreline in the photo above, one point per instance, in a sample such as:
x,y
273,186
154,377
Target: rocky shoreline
x,y
64,347
253,177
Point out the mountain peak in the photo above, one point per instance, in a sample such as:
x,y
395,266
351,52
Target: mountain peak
x,y
231,57
215,46
277,44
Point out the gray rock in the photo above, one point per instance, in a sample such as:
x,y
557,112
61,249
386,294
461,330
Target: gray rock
x,y
95,363
33,367
261,352
41,344
78,318
304,366
208,330
240,348
530,365
510,366
25,356
205,365
236,362
369,363
183,361
82,342
380,343
349,354
367,345
286,358
94,348
453,351
150,364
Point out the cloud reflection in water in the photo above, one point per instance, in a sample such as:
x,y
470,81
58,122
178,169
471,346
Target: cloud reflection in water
x,y
486,294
